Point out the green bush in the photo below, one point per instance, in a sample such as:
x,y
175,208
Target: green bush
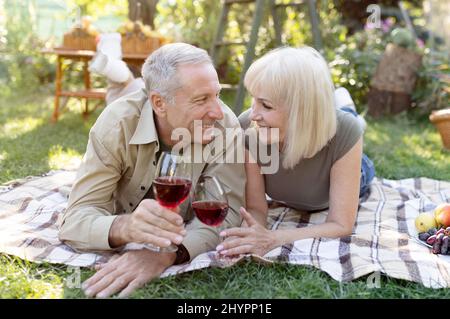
x,y
433,85
402,37
22,67
354,61
353,58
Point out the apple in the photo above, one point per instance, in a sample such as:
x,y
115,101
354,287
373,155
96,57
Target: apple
x,y
424,222
442,214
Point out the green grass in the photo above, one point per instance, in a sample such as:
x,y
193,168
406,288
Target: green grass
x,y
401,147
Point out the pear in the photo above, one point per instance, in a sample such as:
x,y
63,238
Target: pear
x,y
129,26
86,22
122,29
139,25
424,222
147,31
92,31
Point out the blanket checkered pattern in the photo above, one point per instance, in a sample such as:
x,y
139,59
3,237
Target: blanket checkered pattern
x,y
384,237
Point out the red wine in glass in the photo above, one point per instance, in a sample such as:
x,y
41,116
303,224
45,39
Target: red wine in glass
x,y
210,202
171,191
172,185
211,212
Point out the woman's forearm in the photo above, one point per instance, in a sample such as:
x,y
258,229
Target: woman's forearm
x,y
327,229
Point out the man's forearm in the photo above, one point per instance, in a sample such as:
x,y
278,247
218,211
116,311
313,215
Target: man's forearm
x,y
116,235
259,215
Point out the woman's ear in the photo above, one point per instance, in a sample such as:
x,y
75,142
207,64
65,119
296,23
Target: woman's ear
x,y
158,104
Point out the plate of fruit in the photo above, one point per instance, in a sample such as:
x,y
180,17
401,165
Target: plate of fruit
x,y
436,239
434,229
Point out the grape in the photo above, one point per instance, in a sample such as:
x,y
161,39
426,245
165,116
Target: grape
x,y
432,231
424,236
444,247
440,231
431,240
436,247
447,231
439,237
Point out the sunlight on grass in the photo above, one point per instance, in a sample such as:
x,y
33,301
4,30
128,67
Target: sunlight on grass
x,y
16,127
58,158
377,136
418,146
20,279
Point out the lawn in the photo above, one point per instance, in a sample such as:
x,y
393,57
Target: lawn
x,y
401,147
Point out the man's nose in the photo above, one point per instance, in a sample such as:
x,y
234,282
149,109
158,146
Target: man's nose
x,y
215,111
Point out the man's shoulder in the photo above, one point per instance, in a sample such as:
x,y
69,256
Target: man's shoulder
x,y
124,111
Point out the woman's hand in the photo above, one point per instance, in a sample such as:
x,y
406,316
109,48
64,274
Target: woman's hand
x,y
251,239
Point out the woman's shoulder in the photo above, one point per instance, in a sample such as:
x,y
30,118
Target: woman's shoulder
x,y
348,132
347,123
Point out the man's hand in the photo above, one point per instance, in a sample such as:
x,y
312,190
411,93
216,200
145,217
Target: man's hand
x,y
127,272
252,238
150,223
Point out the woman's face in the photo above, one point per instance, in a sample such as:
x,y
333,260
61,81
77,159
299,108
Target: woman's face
x,y
269,119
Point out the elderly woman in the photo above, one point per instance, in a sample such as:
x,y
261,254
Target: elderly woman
x,y
322,164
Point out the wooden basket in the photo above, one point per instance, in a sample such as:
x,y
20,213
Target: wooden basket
x,y
441,119
136,43
78,39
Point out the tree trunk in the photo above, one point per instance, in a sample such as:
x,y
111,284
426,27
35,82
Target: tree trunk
x,y
394,81
146,13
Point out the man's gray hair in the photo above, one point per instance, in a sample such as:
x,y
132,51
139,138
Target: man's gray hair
x,y
160,68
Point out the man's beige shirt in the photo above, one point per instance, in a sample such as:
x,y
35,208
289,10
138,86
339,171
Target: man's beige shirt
x,y
118,169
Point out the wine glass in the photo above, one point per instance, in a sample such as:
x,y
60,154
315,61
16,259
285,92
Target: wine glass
x,y
172,184
210,203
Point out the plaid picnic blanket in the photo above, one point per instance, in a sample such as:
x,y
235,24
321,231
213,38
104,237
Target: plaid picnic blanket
x,y
383,240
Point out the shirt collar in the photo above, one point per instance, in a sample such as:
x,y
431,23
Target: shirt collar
x,y
145,130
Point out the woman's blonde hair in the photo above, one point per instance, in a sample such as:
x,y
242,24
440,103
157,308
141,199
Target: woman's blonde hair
x,y
298,79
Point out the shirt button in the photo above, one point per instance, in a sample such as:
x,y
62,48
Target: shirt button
x,y
131,204
143,188
154,163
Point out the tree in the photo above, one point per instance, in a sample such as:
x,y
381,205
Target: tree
x,y
98,7
143,10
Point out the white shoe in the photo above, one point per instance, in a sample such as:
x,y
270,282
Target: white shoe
x,y
109,44
114,69
98,62
342,99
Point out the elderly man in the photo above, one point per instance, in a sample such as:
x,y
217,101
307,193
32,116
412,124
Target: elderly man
x,y
111,202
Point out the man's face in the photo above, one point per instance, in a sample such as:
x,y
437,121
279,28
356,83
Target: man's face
x,y
196,100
